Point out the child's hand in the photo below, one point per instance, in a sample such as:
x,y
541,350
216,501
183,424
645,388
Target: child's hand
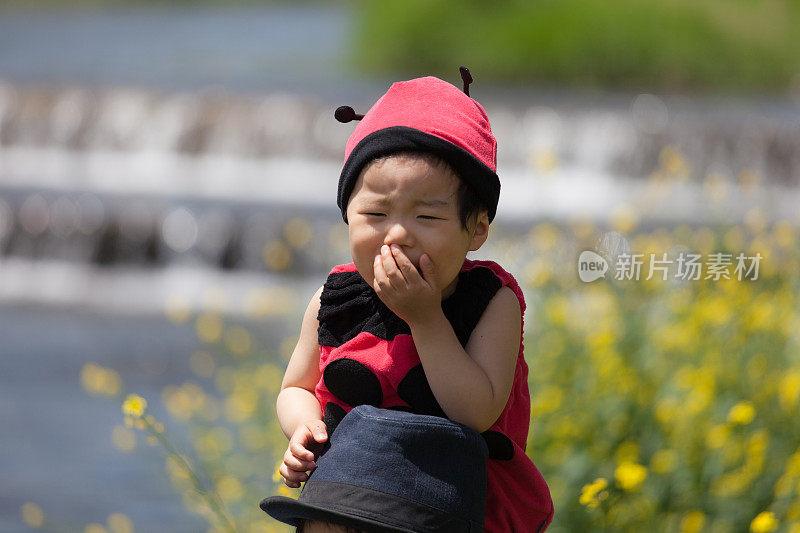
x,y
299,457
411,295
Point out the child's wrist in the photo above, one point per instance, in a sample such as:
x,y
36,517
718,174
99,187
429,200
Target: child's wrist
x,y
434,319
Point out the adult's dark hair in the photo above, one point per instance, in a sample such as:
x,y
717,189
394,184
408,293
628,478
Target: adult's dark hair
x,y
301,528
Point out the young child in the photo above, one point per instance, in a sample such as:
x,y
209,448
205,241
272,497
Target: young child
x,y
411,323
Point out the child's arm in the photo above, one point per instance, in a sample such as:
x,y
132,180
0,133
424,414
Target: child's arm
x,y
471,384
299,412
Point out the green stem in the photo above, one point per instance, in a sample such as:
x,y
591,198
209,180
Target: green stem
x,y
210,496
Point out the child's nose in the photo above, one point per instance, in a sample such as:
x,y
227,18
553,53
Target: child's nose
x,y
398,234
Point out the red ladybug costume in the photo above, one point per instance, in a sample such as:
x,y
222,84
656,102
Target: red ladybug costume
x,y
367,356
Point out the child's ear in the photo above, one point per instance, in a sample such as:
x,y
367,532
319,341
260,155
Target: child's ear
x,y
481,231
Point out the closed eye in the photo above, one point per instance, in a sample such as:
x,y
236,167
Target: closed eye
x,y
375,214
428,217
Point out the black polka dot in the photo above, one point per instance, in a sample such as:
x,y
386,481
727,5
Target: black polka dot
x,y
416,392
352,382
333,415
500,446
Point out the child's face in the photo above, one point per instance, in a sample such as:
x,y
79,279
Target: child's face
x,y
407,201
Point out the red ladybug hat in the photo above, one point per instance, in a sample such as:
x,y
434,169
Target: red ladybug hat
x,y
427,115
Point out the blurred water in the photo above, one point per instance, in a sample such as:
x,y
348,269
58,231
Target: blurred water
x,y
257,48
55,442
55,446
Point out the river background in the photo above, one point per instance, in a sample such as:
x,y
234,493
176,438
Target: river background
x,y
145,78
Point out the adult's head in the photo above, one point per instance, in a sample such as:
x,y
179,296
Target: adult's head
x,y
394,471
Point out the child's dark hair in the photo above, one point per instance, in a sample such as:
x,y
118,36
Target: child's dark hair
x,y
301,527
469,203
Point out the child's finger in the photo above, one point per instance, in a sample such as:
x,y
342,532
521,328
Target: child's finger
x,y
290,473
319,430
407,268
299,450
292,478
389,264
428,269
379,274
296,463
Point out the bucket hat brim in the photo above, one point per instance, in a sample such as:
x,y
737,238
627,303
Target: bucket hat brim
x,y
433,476
290,511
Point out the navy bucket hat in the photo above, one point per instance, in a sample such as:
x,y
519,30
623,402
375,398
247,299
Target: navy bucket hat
x,y
394,471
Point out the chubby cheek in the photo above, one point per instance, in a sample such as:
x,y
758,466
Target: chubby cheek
x,y
366,269
363,254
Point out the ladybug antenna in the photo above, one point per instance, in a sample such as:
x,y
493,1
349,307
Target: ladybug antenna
x,y
346,113
466,77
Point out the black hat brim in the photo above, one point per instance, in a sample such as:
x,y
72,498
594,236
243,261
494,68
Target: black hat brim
x,y
401,138
291,511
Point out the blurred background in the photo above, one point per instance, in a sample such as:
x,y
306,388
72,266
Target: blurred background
x,y
167,209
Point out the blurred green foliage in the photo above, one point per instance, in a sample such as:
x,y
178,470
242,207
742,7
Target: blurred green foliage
x,y
663,405
657,405
729,45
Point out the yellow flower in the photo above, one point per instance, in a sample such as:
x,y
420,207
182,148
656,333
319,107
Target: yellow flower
x,y
284,490
557,309
592,493
97,380
630,475
624,219
789,390
177,309
664,461
783,487
209,327
717,435
549,399
237,340
276,475
764,523
627,451
298,232
742,413
229,488
693,522
544,160
120,523
276,255
672,161
134,406
32,515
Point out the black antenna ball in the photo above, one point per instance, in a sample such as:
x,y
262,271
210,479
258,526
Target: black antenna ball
x,y
346,114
